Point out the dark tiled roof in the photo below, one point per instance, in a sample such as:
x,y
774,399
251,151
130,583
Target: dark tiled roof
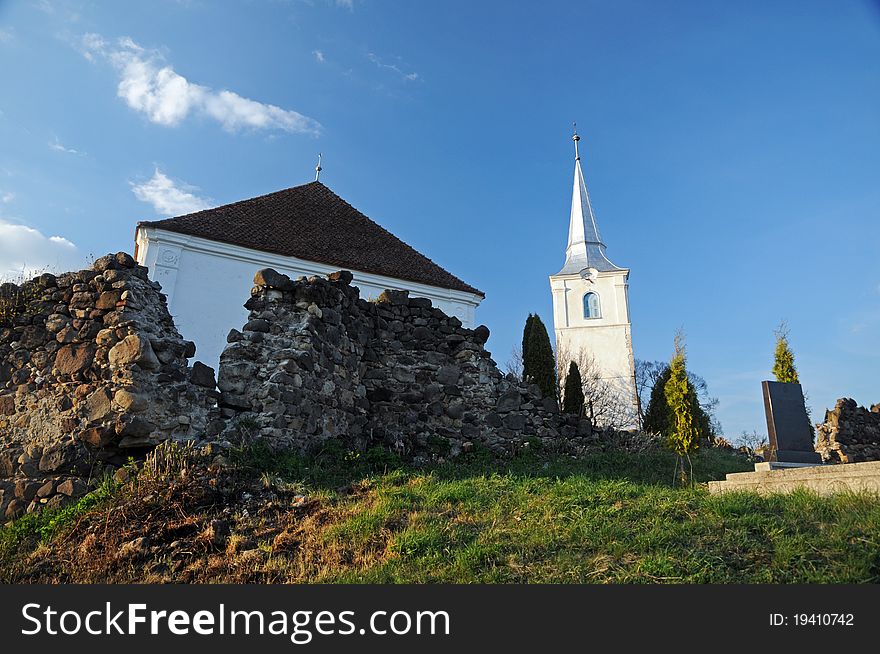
x,y
311,222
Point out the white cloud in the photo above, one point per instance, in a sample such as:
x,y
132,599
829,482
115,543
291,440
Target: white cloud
x,y
25,251
348,4
58,146
7,197
7,35
168,197
410,77
319,56
151,86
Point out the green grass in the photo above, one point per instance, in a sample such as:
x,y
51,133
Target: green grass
x,y
611,517
42,527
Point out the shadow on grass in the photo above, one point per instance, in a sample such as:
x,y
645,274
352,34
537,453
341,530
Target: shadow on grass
x,y
332,467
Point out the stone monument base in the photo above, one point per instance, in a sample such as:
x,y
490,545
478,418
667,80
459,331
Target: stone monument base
x,y
824,480
782,465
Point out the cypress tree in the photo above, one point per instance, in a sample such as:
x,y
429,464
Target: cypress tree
x,y
680,396
539,364
573,395
783,360
527,332
658,417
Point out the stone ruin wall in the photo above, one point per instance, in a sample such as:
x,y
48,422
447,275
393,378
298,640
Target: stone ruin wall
x,y
92,370
315,361
850,433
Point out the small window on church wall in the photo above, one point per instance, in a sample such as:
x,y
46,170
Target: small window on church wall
x,y
591,306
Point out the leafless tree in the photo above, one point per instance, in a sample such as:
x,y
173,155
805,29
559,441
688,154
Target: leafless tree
x,y
606,402
754,441
514,365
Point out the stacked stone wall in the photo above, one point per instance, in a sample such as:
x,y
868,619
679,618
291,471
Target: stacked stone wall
x,y
92,370
850,433
315,361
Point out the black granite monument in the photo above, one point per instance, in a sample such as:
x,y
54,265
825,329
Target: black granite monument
x,y
791,438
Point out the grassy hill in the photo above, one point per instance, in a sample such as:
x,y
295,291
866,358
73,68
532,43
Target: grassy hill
x,y
342,517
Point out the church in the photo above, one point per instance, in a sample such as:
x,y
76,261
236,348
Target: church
x,y
591,303
206,260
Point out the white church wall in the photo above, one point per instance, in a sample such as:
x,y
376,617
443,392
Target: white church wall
x,y
207,283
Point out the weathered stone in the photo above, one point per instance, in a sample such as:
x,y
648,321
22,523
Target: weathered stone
x,y
98,436
395,298
448,375
202,375
455,410
481,334
257,325
419,303
509,401
133,349
26,490
124,260
57,458
108,299
129,401
74,358
133,427
7,405
515,421
72,488
15,509
46,489
270,278
98,405
403,375
342,276
422,334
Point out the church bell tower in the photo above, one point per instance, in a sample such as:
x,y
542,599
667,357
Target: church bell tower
x,y
591,310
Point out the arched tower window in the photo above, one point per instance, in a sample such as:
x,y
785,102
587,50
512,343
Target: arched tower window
x,y
591,306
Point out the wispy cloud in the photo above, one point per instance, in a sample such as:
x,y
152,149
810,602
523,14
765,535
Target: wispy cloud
x,y
25,251
58,146
410,77
169,198
150,85
348,4
319,56
6,35
7,197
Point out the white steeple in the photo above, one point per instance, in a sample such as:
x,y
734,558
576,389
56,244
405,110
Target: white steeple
x,y
585,247
591,308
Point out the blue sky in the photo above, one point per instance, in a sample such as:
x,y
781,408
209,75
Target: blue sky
x,y
732,151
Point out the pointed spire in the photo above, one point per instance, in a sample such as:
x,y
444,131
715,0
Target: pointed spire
x,y
318,169
585,247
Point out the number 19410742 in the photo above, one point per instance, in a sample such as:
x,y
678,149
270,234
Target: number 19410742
x,y
812,620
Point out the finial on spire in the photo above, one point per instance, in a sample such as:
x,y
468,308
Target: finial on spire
x,y
576,138
318,168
